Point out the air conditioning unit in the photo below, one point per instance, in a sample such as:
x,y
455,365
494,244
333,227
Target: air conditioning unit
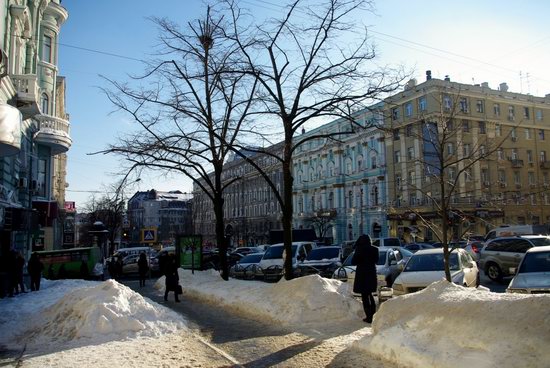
x,y
486,184
514,139
502,185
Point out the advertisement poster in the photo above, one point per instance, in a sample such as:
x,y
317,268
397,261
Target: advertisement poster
x,y
189,251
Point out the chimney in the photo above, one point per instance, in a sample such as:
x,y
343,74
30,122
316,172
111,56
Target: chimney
x,y
447,78
303,130
410,84
503,87
428,75
485,85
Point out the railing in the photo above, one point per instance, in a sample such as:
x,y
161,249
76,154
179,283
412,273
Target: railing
x,y
516,163
26,85
545,165
53,123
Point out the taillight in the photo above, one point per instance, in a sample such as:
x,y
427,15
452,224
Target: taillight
x,y
475,248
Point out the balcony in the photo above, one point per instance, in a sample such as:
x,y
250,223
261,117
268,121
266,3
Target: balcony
x,y
545,165
54,133
28,96
516,164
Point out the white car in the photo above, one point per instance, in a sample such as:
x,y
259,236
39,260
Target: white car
x,y
427,266
246,267
533,276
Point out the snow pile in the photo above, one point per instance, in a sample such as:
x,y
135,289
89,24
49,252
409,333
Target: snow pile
x,y
447,325
97,312
309,299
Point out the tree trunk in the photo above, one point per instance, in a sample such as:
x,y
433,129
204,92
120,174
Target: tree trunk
x,y
287,208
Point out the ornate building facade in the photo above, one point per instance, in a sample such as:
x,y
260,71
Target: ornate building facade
x,y
34,128
340,184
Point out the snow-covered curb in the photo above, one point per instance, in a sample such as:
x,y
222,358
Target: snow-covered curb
x,y
311,299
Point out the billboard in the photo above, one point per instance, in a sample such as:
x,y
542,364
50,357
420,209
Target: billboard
x,y
189,251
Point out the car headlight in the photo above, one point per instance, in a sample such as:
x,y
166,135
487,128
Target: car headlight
x,y
259,269
518,291
398,287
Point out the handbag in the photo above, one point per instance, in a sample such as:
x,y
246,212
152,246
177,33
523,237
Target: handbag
x,y
179,290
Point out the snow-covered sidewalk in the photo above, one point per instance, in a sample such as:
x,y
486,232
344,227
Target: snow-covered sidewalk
x,y
104,324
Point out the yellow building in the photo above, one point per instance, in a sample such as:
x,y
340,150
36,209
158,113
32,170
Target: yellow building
x,y
484,150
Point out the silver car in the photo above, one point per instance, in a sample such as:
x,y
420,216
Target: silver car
x,y
533,276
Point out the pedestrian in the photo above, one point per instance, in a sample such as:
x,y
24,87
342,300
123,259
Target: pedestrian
x,y
143,268
118,267
84,272
35,268
172,278
12,272
19,266
366,282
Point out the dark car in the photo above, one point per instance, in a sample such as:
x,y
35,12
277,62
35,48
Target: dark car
x,y
323,260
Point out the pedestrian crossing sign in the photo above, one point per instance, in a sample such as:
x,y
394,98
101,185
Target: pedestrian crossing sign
x,y
148,235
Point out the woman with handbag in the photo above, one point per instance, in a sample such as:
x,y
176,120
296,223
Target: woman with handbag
x,y
172,278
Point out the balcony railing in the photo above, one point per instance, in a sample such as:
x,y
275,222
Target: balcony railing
x,y
516,163
26,86
545,165
54,132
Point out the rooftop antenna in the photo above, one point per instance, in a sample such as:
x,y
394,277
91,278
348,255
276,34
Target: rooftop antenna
x,y
528,84
520,82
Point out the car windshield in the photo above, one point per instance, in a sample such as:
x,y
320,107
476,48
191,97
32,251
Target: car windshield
x,y
381,258
430,262
276,251
252,258
539,242
535,262
318,254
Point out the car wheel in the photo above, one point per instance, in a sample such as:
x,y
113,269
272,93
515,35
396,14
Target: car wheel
x,y
493,272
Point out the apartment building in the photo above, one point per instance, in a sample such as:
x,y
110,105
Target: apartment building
x,y
251,209
340,182
34,128
490,145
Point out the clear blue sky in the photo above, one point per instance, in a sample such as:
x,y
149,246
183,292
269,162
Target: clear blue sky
x,y
471,41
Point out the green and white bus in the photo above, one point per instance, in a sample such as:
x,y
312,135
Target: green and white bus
x,y
72,263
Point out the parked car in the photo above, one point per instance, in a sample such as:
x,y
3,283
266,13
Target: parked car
x,y
415,247
500,254
323,260
387,242
515,230
247,250
473,247
271,265
246,267
390,263
427,266
533,276
130,257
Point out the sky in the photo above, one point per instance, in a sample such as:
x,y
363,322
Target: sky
x,y
75,323
470,41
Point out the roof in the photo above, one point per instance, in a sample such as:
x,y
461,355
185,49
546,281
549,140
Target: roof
x,y
434,251
545,248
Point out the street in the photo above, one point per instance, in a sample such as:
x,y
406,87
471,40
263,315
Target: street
x,y
252,343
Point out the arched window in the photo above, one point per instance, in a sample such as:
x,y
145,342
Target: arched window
x,y
331,200
374,196
45,103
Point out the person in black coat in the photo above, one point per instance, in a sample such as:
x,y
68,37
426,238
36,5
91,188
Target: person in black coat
x,y
35,268
143,267
365,283
172,278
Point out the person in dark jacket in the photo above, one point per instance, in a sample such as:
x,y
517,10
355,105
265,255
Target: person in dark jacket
x,y
143,268
366,283
172,278
35,268
19,266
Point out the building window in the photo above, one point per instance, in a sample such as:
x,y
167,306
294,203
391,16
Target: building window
x,y
482,151
451,173
463,104
514,154
47,49
485,177
482,127
409,130
396,134
411,178
498,130
541,134
395,113
449,125
397,156
496,109
530,156
410,153
466,150
465,126
398,181
450,149
45,103
408,109
373,162
480,106
538,114
517,178
511,112
526,113
350,199
501,176
513,134
468,174
527,133
531,178
447,102
500,154
422,105
542,156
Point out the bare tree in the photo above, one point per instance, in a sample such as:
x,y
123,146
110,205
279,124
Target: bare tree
x,y
440,183
313,64
190,107
322,221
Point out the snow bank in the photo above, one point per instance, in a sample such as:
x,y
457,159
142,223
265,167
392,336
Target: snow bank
x,y
90,312
309,299
447,325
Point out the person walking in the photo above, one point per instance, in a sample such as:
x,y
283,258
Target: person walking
x,y
365,283
143,268
19,267
35,268
172,278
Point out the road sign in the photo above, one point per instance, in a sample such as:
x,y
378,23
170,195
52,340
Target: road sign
x,y
148,235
